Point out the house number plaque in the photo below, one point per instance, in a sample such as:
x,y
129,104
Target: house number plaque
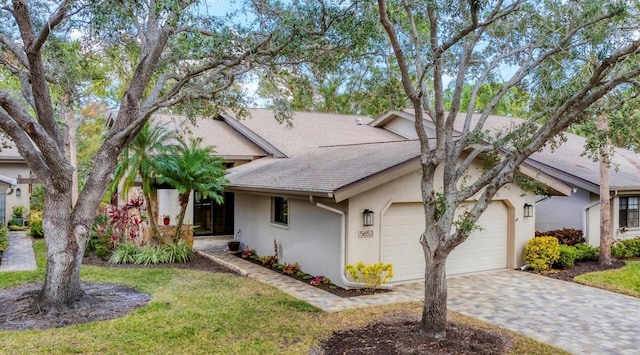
x,y
365,234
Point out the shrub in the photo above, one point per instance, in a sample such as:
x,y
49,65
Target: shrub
x,y
35,224
373,275
567,257
125,253
103,251
17,212
291,269
179,252
587,252
632,246
149,254
317,280
619,250
541,252
4,242
566,236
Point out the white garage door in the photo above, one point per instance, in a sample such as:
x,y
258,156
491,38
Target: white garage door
x,y
403,224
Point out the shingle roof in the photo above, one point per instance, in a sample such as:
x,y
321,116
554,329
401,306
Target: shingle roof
x,y
567,161
216,133
324,169
310,130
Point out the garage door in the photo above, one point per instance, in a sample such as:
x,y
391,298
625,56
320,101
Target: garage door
x,y
485,249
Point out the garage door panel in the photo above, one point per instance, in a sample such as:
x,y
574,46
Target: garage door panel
x,y
485,249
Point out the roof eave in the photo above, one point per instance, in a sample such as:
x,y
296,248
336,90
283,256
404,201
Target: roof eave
x,y
252,136
271,191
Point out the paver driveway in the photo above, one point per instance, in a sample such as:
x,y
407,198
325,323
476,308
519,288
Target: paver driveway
x,y
580,319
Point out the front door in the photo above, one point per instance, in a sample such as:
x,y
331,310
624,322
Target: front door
x,y
211,218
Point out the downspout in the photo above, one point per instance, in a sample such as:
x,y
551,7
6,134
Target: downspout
x,y
343,235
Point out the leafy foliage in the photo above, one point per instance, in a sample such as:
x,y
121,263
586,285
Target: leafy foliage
x,y
35,224
541,252
4,242
567,258
129,253
566,236
586,252
192,168
373,275
125,253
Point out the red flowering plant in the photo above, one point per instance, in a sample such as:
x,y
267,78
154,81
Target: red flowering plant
x,y
125,222
317,280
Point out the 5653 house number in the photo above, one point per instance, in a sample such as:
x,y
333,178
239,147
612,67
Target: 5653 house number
x,y
365,234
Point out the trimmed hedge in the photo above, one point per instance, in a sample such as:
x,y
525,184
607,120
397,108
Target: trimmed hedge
x,y
541,252
568,255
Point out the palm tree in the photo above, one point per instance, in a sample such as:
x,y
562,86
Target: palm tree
x,y
192,168
138,159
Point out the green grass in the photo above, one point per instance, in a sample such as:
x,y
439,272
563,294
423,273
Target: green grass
x,y
200,312
625,280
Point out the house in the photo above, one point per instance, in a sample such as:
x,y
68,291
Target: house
x,y
581,208
15,183
338,189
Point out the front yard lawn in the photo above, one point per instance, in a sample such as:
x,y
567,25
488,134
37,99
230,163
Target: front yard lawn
x,y
196,312
625,280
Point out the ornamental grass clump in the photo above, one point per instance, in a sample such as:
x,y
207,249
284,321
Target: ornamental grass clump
x,y
541,252
373,275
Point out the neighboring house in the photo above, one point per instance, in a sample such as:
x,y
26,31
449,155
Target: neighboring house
x,y
15,183
309,187
581,210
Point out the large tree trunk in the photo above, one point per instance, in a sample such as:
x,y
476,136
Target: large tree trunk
x,y
64,255
605,206
434,313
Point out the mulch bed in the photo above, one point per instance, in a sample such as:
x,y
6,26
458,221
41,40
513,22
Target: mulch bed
x,y
329,287
403,337
581,267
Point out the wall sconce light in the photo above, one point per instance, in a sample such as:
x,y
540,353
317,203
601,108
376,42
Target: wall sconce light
x,y
367,218
528,210
18,192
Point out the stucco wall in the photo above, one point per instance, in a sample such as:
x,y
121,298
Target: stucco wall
x,y
13,170
593,224
168,204
559,212
312,238
407,189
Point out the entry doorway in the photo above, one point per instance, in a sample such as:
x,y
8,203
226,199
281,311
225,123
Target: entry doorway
x,y
212,218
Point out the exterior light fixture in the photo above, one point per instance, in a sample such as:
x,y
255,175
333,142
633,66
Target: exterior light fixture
x,y
528,210
18,192
367,218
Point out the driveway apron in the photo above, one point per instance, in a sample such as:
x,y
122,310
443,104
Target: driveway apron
x,y
577,318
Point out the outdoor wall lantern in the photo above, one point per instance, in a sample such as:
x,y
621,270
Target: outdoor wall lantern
x,y
367,217
18,192
528,210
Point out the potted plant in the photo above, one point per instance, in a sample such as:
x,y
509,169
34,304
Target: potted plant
x,y
234,246
17,217
166,219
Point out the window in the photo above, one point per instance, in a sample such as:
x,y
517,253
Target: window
x,y
280,210
629,211
2,210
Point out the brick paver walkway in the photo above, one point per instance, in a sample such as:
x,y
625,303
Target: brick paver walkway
x,y
579,319
20,255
